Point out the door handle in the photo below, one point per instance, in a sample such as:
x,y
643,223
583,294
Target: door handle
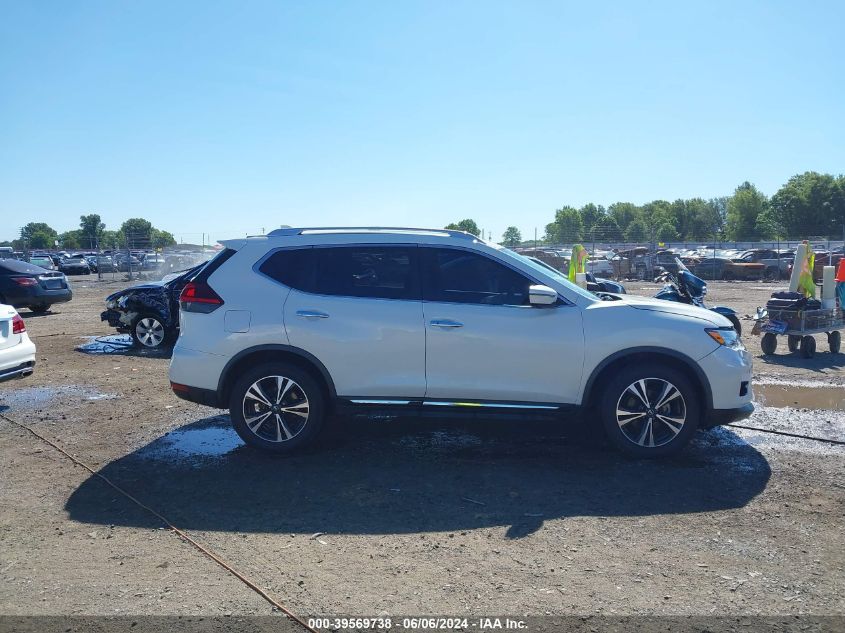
x,y
311,314
445,323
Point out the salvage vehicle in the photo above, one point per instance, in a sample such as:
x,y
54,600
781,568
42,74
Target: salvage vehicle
x,y
17,351
726,269
289,328
42,261
594,284
148,312
776,263
74,266
25,285
685,287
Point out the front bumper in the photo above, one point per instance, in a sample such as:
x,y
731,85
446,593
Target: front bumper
x,y
113,317
720,417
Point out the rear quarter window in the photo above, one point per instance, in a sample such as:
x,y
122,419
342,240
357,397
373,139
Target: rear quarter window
x,y
293,268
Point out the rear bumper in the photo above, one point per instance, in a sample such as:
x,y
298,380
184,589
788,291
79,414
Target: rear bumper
x,y
205,397
720,417
24,296
19,371
18,360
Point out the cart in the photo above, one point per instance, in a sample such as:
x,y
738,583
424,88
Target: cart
x,y
799,326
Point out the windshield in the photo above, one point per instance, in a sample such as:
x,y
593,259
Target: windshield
x,y
680,265
548,272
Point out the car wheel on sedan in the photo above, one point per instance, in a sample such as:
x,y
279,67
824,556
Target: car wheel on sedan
x,y
649,412
149,332
39,309
277,407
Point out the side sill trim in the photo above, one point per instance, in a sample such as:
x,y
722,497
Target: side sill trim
x,y
380,402
487,405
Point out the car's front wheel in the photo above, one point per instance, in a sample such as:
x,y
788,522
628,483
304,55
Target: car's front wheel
x,y
148,331
277,407
649,412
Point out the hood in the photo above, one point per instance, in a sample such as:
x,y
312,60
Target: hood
x,y
153,285
673,307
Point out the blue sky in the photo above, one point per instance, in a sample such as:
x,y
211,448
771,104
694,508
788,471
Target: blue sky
x,y
230,117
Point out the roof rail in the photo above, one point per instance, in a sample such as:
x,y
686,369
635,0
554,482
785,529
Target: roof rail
x,y
288,231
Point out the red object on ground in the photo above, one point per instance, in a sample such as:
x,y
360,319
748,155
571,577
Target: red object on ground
x,y
840,273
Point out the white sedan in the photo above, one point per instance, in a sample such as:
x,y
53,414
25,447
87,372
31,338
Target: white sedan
x,y
17,352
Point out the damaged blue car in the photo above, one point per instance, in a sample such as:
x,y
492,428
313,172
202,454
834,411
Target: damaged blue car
x,y
148,312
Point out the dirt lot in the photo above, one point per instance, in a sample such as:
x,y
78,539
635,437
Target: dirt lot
x,y
404,516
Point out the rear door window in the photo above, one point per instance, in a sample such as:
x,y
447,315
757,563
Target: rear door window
x,y
379,272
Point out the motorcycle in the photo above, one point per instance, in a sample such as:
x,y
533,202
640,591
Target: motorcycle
x,y
684,287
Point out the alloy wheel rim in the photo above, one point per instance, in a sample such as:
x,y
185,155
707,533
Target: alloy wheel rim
x,y
275,408
651,412
150,332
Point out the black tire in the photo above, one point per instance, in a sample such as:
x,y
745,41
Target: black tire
x,y
771,274
632,435
808,347
158,336
728,276
769,343
269,434
834,341
734,319
39,309
793,341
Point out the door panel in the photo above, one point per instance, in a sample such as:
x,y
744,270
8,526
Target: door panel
x,y
371,347
505,353
483,340
359,311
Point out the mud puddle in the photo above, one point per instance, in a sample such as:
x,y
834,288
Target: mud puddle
x,y
214,440
829,398
32,397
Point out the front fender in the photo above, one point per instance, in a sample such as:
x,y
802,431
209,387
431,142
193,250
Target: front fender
x,y
723,310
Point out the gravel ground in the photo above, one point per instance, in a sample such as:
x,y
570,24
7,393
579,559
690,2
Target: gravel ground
x,y
404,516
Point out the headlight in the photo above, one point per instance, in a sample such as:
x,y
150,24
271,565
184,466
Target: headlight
x,y
725,336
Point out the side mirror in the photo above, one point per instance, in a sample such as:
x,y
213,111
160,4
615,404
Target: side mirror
x,y
541,295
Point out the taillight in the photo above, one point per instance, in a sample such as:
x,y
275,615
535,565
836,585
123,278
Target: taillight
x,y
25,281
18,326
198,296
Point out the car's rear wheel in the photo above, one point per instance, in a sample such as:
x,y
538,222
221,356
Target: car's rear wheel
x,y
149,332
649,412
39,309
277,407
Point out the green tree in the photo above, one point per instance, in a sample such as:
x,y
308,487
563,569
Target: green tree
x,y
744,207
38,235
604,230
624,213
810,204
768,227
591,215
511,236
636,231
91,230
109,239
162,239
666,232
71,239
567,227
467,225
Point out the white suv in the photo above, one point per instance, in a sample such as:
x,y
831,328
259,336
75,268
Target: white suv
x,y
288,328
